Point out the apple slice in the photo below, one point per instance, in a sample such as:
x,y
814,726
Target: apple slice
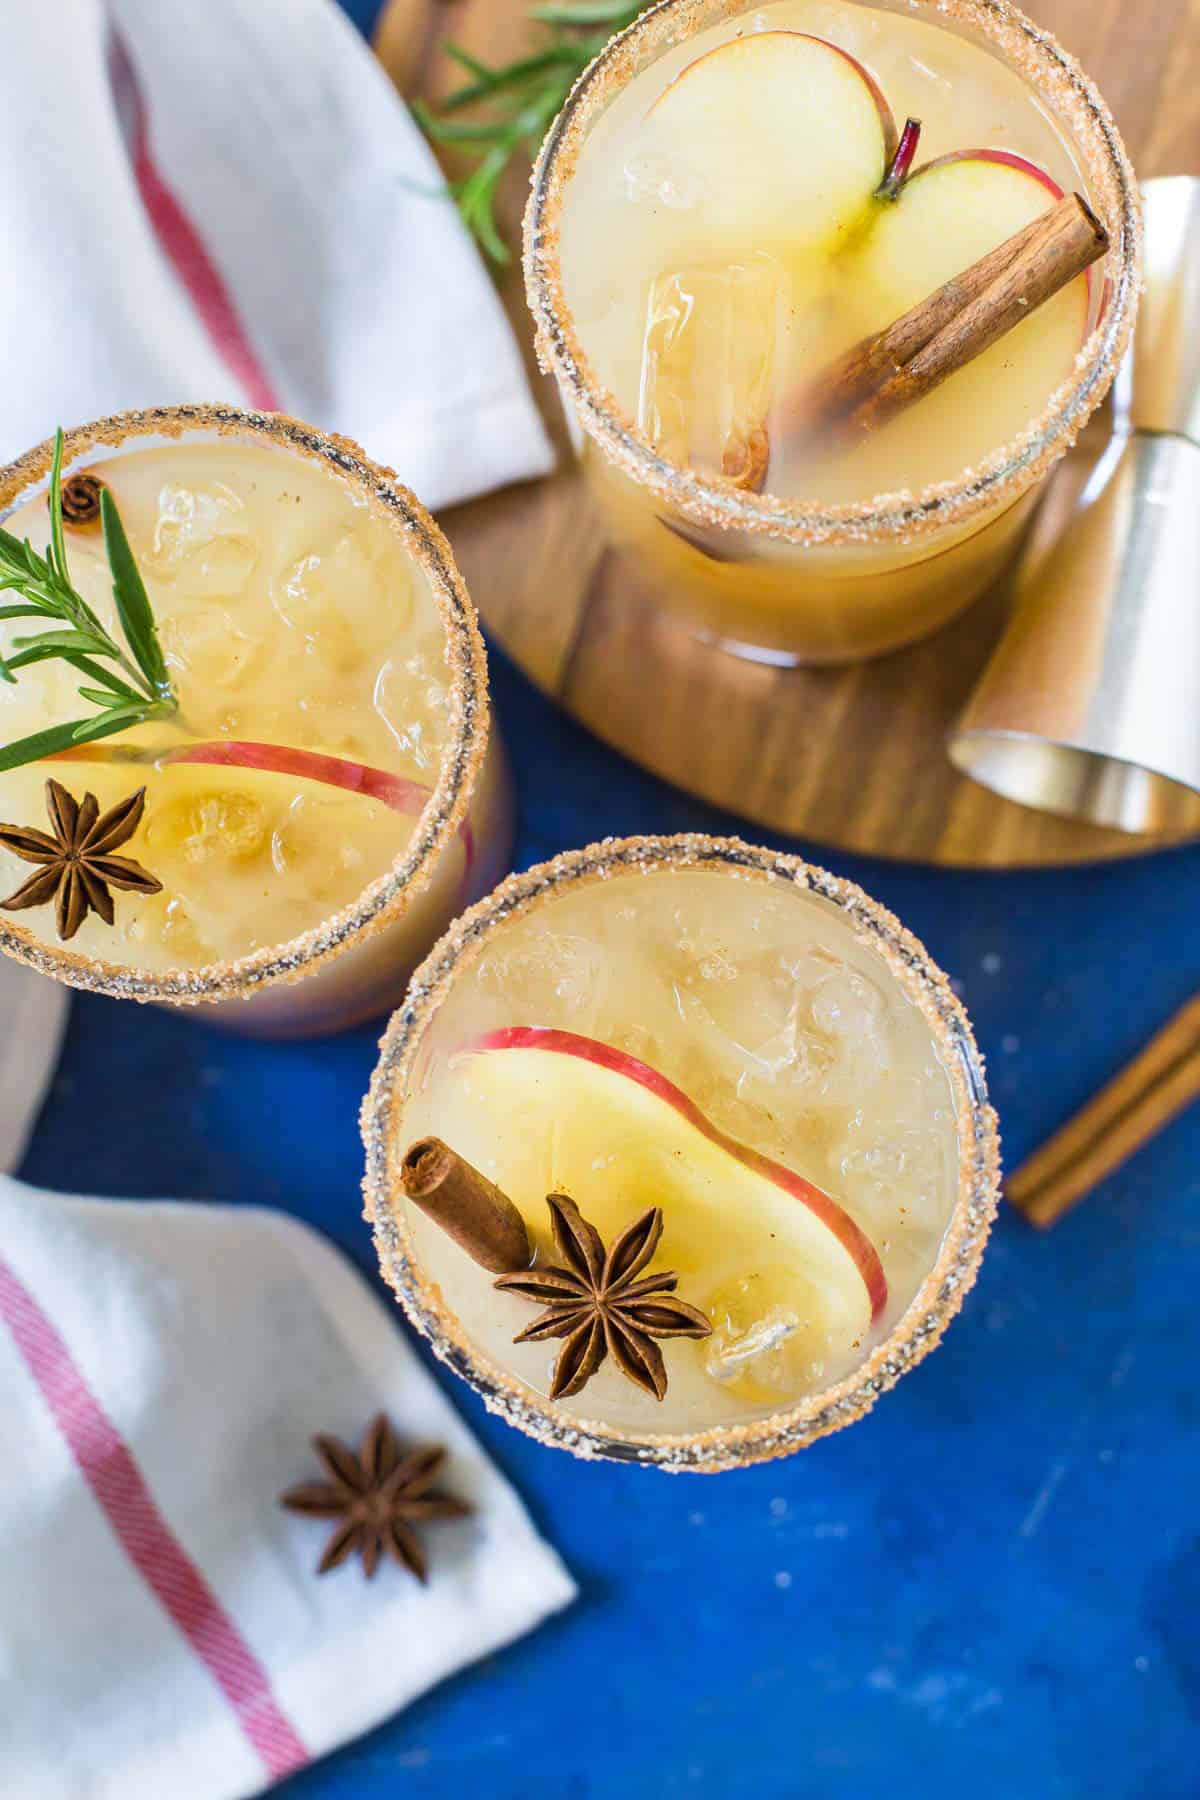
x,y
787,136
397,792
541,1109
946,215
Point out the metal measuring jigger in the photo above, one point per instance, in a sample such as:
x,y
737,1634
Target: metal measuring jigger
x,y
1091,704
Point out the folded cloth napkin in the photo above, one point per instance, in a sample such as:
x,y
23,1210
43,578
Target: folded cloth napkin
x,y
230,203
162,1629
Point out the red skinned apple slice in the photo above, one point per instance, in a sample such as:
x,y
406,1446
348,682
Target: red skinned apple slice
x,y
755,119
948,214
396,792
542,1108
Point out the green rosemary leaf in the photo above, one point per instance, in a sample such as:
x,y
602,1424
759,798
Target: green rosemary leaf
x,y
525,95
459,54
476,199
586,12
103,696
56,554
110,683
57,643
490,82
125,691
36,653
11,547
132,601
89,729
444,131
63,737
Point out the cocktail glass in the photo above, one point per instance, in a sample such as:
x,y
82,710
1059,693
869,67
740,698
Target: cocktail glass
x,y
326,799
799,579
747,1042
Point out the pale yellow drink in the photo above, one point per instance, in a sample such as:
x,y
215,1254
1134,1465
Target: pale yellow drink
x,y
704,278
748,1045
319,703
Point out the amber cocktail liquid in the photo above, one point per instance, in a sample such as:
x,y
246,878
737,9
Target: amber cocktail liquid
x,y
768,190
323,663
747,1044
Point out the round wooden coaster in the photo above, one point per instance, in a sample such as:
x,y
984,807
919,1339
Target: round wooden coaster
x,y
852,758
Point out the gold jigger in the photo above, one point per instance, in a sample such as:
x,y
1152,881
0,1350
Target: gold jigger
x,y
1091,704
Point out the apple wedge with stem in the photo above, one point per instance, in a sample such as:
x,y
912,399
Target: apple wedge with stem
x,y
542,1109
948,214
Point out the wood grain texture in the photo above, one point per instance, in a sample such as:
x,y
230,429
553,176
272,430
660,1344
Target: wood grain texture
x,y
852,758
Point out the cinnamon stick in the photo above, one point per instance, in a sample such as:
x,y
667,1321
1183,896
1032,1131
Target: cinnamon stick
x,y
862,370
468,1207
884,374
1133,1107
959,321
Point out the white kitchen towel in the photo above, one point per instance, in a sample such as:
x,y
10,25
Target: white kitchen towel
x,y
162,1628
33,1016
229,202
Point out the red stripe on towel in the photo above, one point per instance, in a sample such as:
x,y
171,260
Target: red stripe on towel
x,y
183,244
120,1489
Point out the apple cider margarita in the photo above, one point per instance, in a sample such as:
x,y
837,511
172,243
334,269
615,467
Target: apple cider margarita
x,y
827,285
680,1151
242,724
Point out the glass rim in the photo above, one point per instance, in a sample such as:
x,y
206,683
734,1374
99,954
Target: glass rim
x,y
898,516
917,1330
388,897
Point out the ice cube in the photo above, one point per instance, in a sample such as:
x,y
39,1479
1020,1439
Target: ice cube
x,y
708,365
771,1333
749,1014
339,601
663,178
731,1351
205,645
217,825
557,978
851,1013
181,936
310,849
412,700
880,1164
202,538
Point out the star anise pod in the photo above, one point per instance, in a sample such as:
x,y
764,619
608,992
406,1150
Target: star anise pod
x,y
600,1307
77,863
378,1496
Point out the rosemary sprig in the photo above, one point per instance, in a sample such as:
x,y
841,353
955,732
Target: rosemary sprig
x,y
127,685
522,99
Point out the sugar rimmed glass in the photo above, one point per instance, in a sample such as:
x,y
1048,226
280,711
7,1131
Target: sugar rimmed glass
x,y
781,580
355,961
438,1286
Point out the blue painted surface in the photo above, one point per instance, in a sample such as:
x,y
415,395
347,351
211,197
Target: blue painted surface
x,y
992,1585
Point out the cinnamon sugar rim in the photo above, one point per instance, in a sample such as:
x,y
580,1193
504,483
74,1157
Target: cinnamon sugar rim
x,y
386,898
915,1333
900,516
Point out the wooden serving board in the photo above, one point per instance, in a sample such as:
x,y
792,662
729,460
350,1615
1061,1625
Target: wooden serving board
x,y
851,758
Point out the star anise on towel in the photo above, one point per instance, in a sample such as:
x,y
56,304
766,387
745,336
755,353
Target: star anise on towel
x,y
77,864
600,1307
377,1496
